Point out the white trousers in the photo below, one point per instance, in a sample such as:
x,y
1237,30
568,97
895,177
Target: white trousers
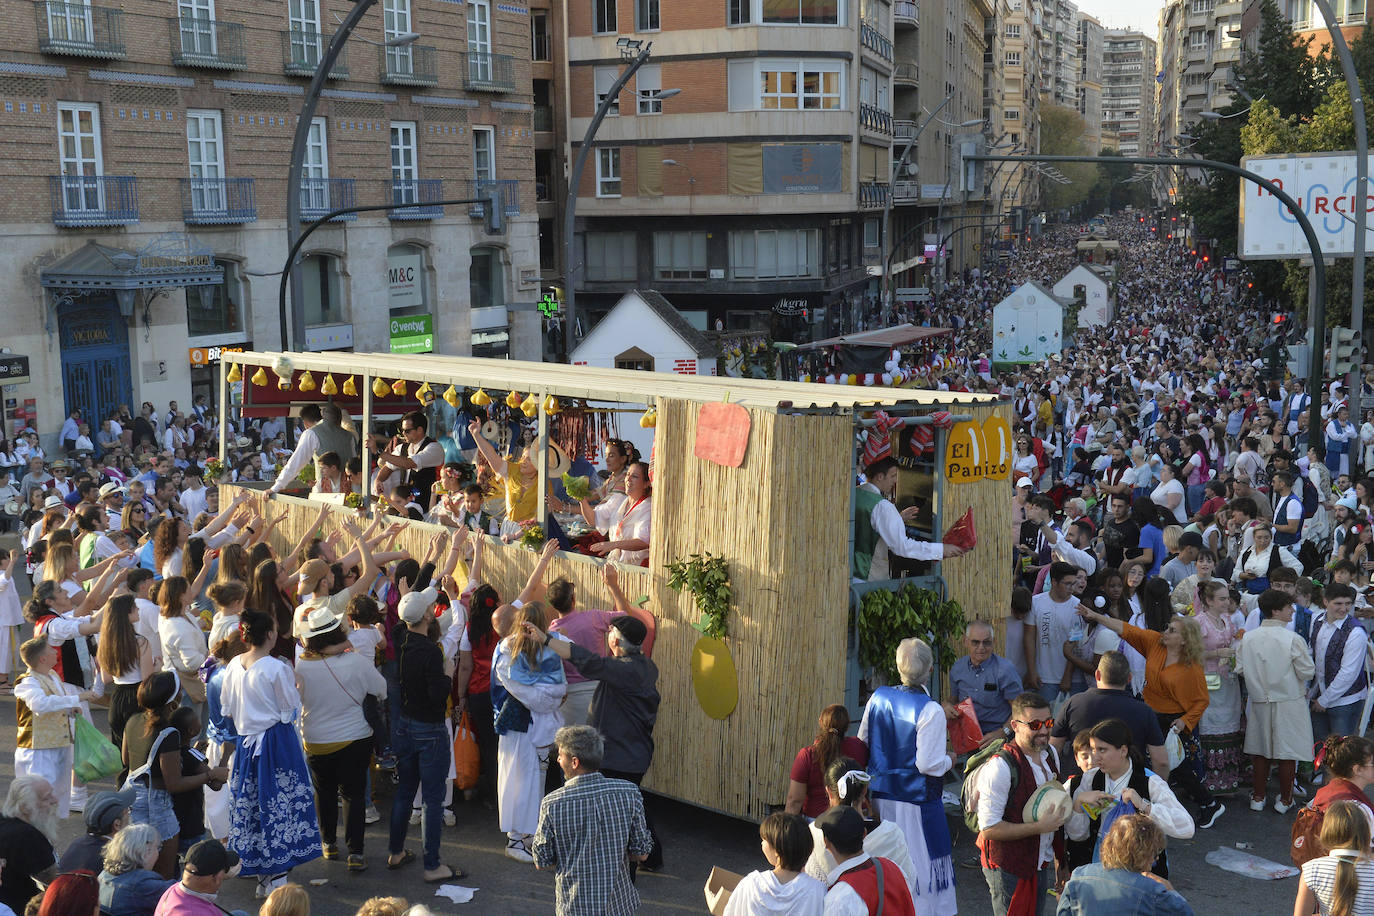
x,y
520,768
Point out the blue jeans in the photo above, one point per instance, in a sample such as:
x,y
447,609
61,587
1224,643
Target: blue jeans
x,y
422,761
1338,720
1196,496
1001,887
393,705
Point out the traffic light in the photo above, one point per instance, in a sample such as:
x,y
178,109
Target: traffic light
x,y
1345,350
1274,362
495,214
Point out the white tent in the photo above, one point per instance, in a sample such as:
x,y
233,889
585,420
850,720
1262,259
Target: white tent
x,y
1098,306
645,331
1027,326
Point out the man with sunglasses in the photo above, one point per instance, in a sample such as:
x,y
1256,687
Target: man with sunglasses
x,y
1012,850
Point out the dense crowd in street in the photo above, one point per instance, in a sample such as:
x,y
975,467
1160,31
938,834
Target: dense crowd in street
x,y
1187,633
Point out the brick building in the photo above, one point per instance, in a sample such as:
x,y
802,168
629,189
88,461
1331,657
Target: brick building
x,y
147,146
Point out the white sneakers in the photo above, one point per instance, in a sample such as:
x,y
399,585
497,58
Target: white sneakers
x,y
518,849
1257,804
1283,808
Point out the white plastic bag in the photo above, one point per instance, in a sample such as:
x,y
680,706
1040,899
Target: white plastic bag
x,y
1251,866
1173,744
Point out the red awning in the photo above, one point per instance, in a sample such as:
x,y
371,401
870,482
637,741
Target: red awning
x,y
894,337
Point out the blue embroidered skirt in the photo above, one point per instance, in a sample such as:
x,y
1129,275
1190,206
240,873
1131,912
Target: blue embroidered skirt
x,y
272,821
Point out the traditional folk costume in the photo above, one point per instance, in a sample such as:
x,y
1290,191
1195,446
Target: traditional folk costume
x,y
526,721
44,706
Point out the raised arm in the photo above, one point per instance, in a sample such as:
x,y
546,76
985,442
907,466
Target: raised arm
x,y
611,576
498,464
534,589
368,568
216,524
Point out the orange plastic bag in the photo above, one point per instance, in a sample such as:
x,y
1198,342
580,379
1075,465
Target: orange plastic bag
x,y
467,760
961,533
965,734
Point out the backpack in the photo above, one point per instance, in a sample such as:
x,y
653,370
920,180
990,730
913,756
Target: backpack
x,y
1306,841
976,760
1309,499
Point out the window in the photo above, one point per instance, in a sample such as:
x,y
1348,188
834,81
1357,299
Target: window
x,y
804,84
539,36
646,16
404,187
315,169
70,22
205,153
873,88
1202,6
322,297
603,16
484,153
303,17
871,233
608,171
1197,39
479,41
801,12
609,256
1013,31
679,255
197,26
215,310
740,11
1012,114
395,23
605,78
774,254
1013,58
78,135
486,279
649,83
636,360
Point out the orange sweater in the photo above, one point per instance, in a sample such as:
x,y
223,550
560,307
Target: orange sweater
x,y
1177,689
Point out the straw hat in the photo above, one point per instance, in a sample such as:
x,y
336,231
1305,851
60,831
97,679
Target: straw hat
x,y
320,620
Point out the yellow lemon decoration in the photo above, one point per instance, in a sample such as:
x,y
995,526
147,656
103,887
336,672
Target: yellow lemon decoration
x,y
481,398
513,400
327,387
424,394
380,387
451,397
350,388
529,407
235,374
398,388
551,405
260,377
714,677
649,419
307,381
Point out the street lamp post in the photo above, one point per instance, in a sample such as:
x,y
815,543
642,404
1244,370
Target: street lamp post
x,y
887,205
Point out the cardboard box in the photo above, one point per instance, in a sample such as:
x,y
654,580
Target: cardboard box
x,y
719,885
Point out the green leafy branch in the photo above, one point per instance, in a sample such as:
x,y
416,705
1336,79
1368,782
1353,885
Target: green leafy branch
x,y
888,617
707,577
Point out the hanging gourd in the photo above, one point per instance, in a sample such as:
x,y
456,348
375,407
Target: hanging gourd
x,y
481,398
380,387
260,377
551,405
451,397
529,407
350,389
398,388
327,387
424,394
235,374
513,400
307,381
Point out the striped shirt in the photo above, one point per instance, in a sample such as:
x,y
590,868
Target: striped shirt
x,y
1320,875
587,830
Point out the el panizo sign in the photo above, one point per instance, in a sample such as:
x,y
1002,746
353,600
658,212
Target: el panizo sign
x,y
974,452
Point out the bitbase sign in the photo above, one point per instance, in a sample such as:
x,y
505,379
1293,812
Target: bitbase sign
x,y
1323,184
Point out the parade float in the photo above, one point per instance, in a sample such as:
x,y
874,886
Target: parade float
x,y
748,569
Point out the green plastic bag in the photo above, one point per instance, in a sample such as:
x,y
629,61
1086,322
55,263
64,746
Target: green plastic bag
x,y
94,756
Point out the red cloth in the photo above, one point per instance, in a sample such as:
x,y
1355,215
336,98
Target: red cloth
x,y
480,682
1338,789
877,443
896,895
805,771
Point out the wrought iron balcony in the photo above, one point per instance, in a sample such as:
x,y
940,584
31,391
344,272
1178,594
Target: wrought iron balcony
x,y
903,129
905,14
873,195
207,43
488,72
873,39
506,189
543,118
874,118
422,192
80,30
218,201
906,75
321,195
302,51
94,200
408,65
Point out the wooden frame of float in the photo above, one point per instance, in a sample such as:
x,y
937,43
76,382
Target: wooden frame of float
x,y
783,520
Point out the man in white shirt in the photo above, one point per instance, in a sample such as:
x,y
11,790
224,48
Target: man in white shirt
x,y
306,445
1074,546
140,583
71,428
1338,648
1047,628
880,530
193,497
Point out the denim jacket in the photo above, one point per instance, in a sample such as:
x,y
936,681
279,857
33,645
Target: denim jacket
x,y
133,893
1094,890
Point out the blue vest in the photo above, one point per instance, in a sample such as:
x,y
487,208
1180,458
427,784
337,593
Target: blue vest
x,y
1286,538
1335,651
892,716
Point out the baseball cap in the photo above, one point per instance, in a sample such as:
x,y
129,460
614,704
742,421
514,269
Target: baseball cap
x,y
631,628
1024,482
843,826
106,807
209,857
413,607
310,575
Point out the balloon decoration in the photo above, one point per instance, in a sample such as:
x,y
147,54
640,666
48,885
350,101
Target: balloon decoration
x,y
235,373
327,387
513,400
350,388
451,397
380,387
260,377
398,388
307,381
481,398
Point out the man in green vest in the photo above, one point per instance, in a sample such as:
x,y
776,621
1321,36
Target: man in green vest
x,y
880,530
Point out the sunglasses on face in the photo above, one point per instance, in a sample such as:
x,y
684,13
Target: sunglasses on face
x,y
1037,724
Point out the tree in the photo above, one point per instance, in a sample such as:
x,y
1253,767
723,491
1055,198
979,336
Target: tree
x,y
1113,187
1061,134
1282,68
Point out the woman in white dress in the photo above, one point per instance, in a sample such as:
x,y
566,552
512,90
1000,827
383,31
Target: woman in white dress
x,y
628,531
846,783
272,821
1170,494
11,614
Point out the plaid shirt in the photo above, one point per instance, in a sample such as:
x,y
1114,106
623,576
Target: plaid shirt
x,y
586,830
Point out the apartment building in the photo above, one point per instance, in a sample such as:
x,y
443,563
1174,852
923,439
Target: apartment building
x,y
1307,21
1200,43
147,149
1089,103
1128,91
1059,53
1009,185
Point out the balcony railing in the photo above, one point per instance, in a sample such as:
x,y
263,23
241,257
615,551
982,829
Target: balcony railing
x,y
94,200
906,190
408,65
903,129
79,30
874,40
487,72
506,189
873,195
207,43
905,14
321,195
302,51
422,192
874,118
543,117
218,201
906,74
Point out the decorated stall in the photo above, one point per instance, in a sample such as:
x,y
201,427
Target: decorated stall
x,y
1028,325
751,478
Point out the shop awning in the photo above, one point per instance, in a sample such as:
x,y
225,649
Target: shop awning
x,y
894,337
175,260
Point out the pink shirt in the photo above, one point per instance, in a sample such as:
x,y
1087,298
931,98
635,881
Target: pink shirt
x,y
178,901
587,628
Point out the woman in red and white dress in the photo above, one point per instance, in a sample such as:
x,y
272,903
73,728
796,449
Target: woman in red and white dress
x,y
628,530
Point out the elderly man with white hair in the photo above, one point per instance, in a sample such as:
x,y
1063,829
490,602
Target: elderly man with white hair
x,y
905,732
28,829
